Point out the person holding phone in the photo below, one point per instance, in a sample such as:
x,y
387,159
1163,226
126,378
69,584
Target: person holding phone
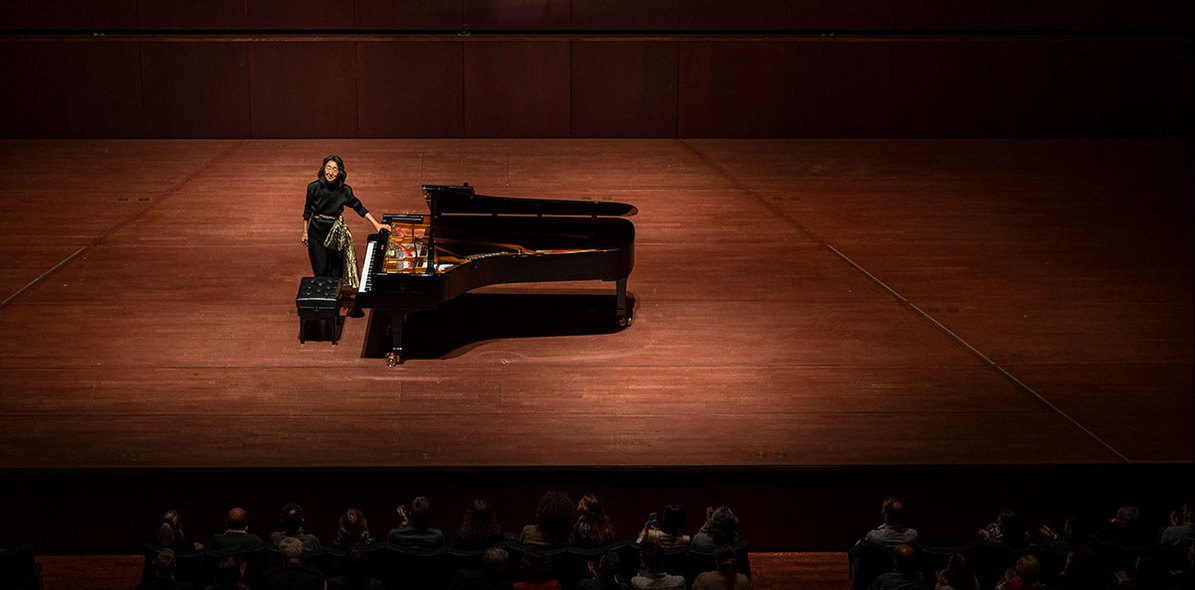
x,y
669,530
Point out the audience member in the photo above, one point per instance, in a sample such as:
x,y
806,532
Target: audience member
x,y
652,575
352,529
721,528
1081,571
726,574
904,574
413,531
668,530
491,576
553,522
292,574
230,573
893,531
1005,530
1180,532
1075,531
170,534
292,527
1126,529
163,572
605,574
479,528
237,537
356,576
957,575
593,527
536,569
1025,575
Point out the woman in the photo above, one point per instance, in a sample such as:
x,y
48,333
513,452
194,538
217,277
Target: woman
x,y
553,522
479,529
671,529
327,237
593,527
957,575
352,529
726,576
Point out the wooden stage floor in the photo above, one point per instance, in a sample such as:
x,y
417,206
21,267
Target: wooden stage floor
x,y
797,303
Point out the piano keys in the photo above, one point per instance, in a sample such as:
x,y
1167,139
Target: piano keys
x,y
469,241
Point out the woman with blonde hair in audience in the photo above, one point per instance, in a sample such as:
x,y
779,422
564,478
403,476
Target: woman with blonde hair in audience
x,y
352,529
171,536
593,527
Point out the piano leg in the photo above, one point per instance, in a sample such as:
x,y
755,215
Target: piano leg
x,y
397,318
621,305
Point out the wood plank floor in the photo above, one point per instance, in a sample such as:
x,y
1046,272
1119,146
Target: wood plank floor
x,y
795,303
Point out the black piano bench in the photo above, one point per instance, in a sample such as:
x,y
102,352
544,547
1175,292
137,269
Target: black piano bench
x,y
318,302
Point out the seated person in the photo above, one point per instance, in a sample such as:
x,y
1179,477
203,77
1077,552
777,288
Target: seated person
x,y
726,576
605,574
669,531
356,573
491,575
652,575
721,528
536,569
593,527
292,526
904,574
236,538
553,522
292,574
413,531
893,531
163,573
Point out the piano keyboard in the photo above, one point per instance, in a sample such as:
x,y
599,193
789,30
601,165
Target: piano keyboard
x,y
367,268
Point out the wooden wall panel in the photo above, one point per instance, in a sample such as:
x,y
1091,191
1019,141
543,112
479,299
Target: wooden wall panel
x,y
741,15
828,15
300,89
626,15
517,89
88,89
308,15
17,109
837,89
410,89
1098,15
731,89
1054,88
945,89
946,15
409,14
84,15
624,89
178,14
196,89
16,14
517,14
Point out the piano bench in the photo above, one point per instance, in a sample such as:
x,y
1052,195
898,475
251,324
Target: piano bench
x,y
318,303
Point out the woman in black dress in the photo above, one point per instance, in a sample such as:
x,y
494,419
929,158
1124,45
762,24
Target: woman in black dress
x,y
327,237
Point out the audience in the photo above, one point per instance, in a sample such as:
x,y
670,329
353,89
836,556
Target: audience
x,y
163,573
413,531
1126,529
356,575
1025,575
1180,532
292,528
669,530
237,537
553,522
893,531
292,574
230,574
170,534
352,529
593,528
479,528
605,574
652,575
904,574
536,569
957,575
726,574
1081,571
1005,530
491,576
721,528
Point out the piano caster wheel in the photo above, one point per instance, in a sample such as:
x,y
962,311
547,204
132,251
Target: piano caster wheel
x,y
393,359
624,322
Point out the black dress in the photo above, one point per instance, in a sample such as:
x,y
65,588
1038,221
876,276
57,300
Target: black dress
x,y
325,202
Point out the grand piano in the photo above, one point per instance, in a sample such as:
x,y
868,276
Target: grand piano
x,y
469,241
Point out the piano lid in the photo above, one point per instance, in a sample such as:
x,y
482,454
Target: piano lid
x,y
444,199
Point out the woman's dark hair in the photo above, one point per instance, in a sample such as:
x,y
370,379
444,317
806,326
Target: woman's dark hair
x,y
672,520
536,566
959,574
1012,533
724,526
593,527
168,532
480,524
727,564
607,570
339,163
228,572
554,515
352,528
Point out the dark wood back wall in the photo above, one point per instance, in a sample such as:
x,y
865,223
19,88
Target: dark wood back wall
x,y
613,68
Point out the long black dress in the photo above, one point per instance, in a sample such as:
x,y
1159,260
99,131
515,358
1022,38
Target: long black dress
x,y
325,202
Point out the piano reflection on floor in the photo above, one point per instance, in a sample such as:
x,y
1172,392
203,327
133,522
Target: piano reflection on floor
x,y
469,241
